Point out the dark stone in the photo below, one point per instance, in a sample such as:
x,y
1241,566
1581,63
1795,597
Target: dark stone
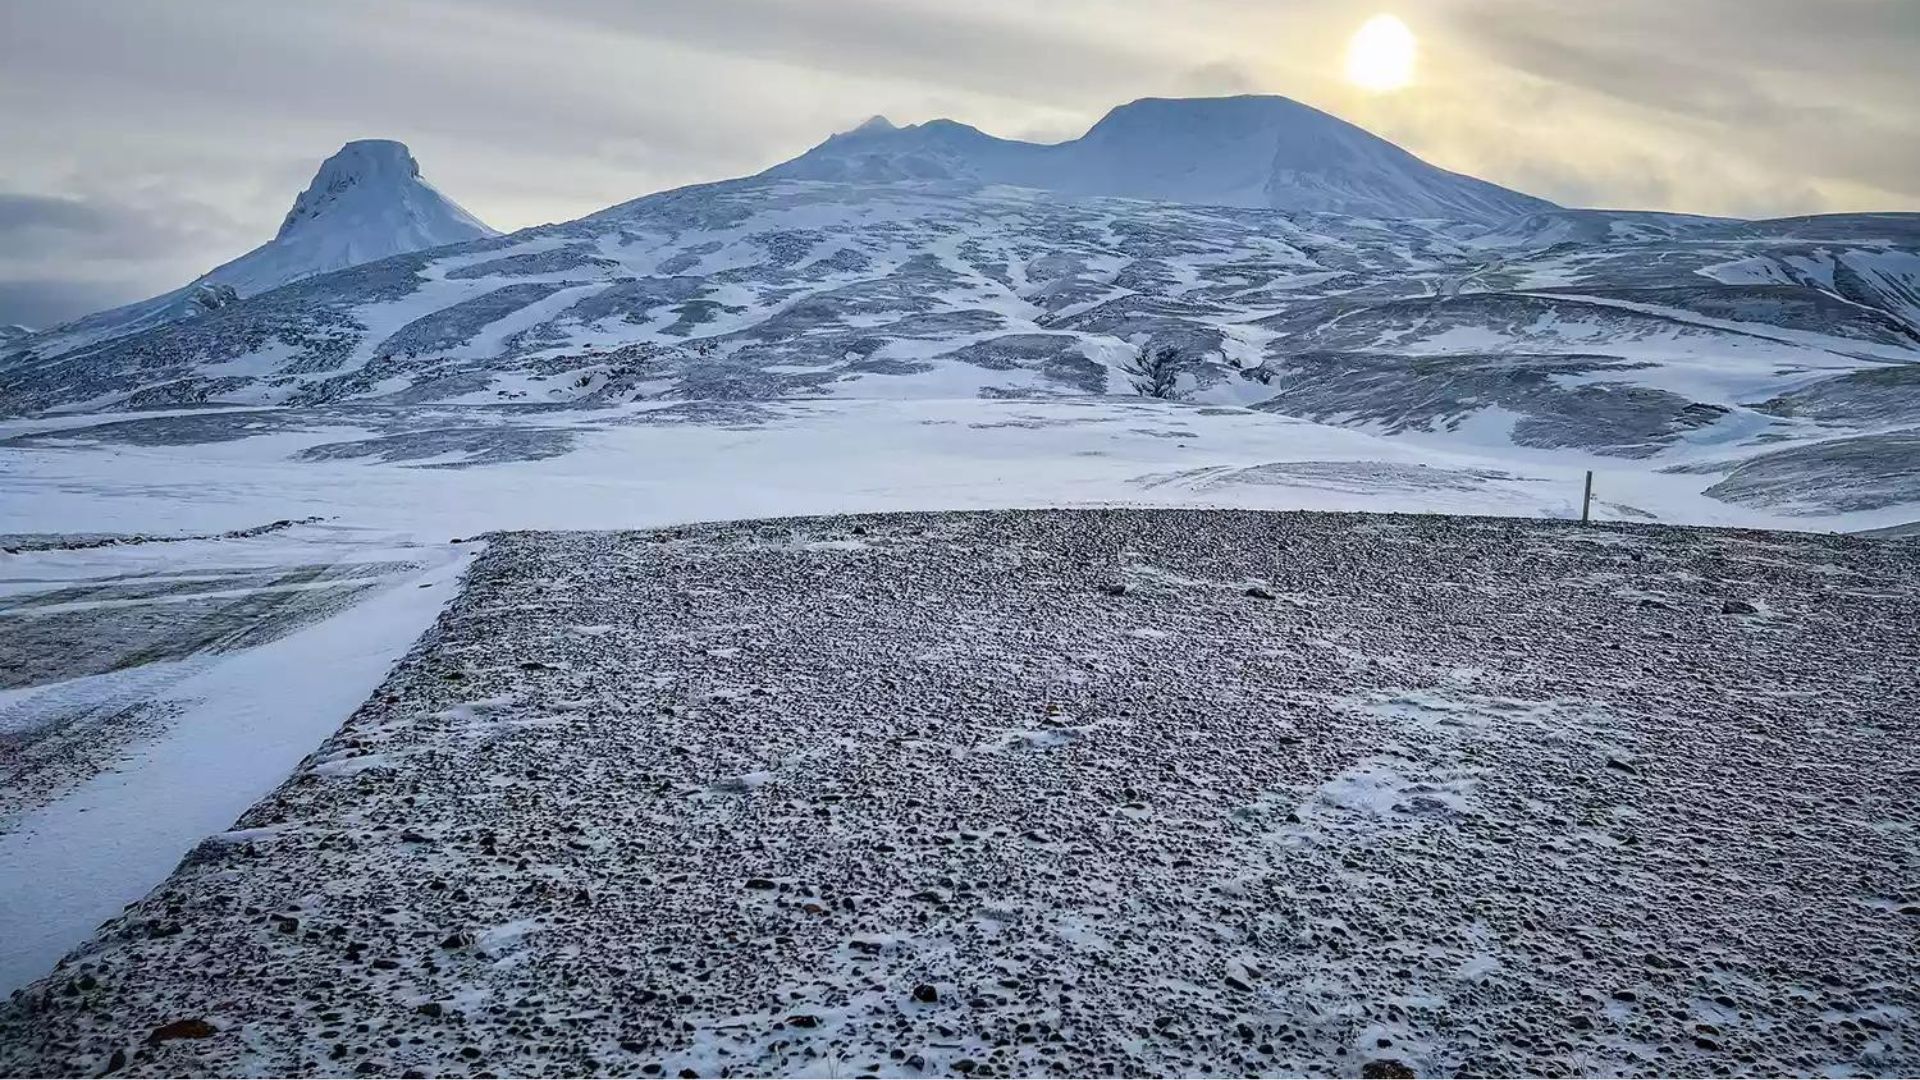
x,y
926,993
115,1063
803,1020
192,1028
759,883
431,1008
1114,588
1738,607
1239,985
1259,593
1386,1069
459,939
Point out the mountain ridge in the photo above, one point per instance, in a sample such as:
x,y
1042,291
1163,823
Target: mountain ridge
x,y
1250,151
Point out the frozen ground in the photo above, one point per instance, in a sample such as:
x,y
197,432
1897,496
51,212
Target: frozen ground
x,y
1075,792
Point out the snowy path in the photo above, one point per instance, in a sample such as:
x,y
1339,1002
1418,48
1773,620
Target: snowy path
x,y
123,772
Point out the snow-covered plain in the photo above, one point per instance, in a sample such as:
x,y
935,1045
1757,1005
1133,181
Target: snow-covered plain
x,y
428,473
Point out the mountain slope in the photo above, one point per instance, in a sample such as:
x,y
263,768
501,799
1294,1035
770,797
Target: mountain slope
x,y
1693,345
1252,151
366,202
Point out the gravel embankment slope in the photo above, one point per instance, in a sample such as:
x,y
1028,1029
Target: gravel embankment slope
x,y
930,794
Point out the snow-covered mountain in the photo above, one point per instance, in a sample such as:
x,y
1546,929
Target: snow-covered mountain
x,y
12,332
1783,354
1252,151
368,201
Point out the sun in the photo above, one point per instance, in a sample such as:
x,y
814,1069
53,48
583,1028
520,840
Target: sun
x,y
1380,55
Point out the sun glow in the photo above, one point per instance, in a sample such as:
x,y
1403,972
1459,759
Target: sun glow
x,y
1380,55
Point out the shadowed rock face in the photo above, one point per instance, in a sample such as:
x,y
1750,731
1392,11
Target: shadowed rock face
x,y
1596,412
1865,472
1889,395
1075,793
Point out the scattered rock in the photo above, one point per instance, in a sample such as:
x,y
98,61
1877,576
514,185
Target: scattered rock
x,y
1259,593
1386,1069
1738,607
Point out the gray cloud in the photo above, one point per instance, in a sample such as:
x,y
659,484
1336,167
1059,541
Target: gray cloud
x,y
40,304
1818,89
100,227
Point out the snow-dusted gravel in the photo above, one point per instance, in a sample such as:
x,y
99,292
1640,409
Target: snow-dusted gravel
x,y
1197,792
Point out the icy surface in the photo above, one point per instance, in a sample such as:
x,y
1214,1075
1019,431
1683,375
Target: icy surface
x,y
429,472
1119,792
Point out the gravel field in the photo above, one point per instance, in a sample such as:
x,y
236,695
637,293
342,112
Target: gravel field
x,y
1069,793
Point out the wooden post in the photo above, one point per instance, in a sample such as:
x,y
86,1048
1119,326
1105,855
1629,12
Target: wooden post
x,y
1586,499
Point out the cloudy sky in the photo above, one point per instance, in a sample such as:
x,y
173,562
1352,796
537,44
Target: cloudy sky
x,y
148,140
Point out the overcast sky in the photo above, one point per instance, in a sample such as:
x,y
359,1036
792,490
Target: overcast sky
x,y
148,140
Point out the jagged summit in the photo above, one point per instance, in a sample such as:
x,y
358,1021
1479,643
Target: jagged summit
x,y
1253,150
366,202
360,164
